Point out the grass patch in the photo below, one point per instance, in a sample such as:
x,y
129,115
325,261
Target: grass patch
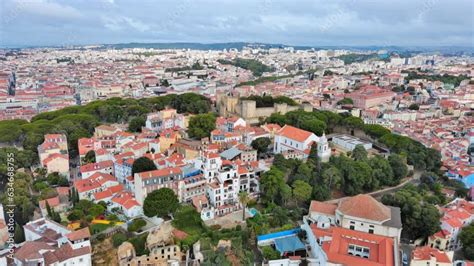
x,y
97,228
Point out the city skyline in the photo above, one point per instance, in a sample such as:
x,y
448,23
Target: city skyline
x,y
306,23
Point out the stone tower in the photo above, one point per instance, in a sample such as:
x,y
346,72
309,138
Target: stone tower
x,y
248,109
226,104
281,108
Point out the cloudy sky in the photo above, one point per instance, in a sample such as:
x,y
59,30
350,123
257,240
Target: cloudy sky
x,y
294,22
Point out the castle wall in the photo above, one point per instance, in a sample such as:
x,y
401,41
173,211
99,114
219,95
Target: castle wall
x,y
231,105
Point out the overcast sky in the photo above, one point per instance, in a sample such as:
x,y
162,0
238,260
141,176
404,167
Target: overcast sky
x,y
293,22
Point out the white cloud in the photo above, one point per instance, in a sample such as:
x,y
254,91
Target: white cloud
x,y
304,22
48,9
123,22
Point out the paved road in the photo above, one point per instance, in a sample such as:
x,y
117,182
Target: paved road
x,y
406,249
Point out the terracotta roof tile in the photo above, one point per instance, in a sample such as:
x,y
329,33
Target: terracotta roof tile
x,y
294,133
364,206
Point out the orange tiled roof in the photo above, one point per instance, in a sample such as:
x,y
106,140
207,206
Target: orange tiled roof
x,y
322,207
381,247
426,253
160,172
52,202
294,133
364,206
79,234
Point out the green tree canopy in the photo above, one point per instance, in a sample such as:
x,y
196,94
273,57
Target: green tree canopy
x,y
419,218
143,164
200,126
136,124
345,101
10,130
118,239
271,183
359,153
136,225
414,106
467,240
301,191
90,157
376,131
382,171
353,122
399,168
161,202
96,210
332,177
261,144
257,67
19,235
269,253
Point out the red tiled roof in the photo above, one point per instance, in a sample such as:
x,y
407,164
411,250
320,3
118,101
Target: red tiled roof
x,y
55,156
272,127
441,234
79,234
161,172
125,199
96,166
426,253
62,190
460,214
322,207
124,155
364,206
63,253
381,247
453,222
95,181
294,133
103,194
52,202
30,250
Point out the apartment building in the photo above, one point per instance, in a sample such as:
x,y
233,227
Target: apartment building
x,y
149,181
53,154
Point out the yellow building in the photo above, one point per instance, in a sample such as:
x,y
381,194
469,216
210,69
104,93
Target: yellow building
x,y
440,240
168,138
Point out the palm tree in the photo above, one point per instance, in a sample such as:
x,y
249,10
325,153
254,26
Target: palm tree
x,y
244,200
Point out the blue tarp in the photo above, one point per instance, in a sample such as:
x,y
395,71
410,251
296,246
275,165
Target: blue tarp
x,y
289,244
469,180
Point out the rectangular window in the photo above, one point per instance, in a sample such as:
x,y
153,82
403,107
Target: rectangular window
x,y
358,251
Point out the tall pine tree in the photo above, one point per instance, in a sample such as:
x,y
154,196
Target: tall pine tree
x,y
19,235
48,209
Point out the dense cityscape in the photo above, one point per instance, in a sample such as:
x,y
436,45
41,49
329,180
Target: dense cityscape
x,y
231,153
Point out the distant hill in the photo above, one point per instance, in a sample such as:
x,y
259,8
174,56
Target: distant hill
x,y
446,50
200,46
454,50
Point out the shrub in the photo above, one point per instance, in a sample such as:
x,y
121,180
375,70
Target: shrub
x,y
136,225
269,253
100,237
118,239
